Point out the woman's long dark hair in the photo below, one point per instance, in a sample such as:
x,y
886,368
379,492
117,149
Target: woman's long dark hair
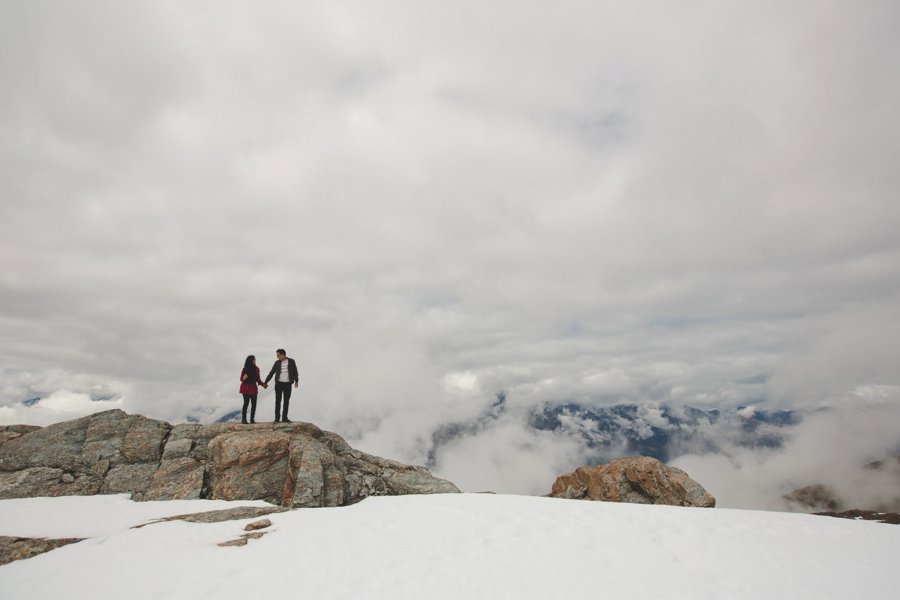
x,y
250,369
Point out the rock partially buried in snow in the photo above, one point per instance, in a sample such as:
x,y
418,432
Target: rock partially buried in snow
x,y
242,541
293,465
218,516
635,479
261,524
19,548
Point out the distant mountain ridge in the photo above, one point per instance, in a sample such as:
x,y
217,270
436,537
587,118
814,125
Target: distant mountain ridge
x,y
660,431
664,434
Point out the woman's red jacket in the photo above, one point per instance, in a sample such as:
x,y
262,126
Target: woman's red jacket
x,y
248,386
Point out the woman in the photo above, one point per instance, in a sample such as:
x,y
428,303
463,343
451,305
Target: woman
x,y
249,380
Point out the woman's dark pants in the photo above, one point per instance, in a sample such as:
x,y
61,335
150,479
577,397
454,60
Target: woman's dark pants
x,y
251,400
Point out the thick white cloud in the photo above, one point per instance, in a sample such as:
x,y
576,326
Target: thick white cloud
x,y
831,448
587,201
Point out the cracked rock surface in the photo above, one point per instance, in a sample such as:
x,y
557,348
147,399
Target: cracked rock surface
x,y
289,464
635,479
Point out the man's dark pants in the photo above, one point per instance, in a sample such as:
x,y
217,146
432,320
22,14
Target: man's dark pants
x,y
282,388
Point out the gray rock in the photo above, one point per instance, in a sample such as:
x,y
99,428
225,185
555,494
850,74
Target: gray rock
x,y
33,481
46,481
242,541
289,464
179,448
314,479
134,479
234,514
178,479
58,446
103,438
144,441
10,432
418,481
101,468
217,516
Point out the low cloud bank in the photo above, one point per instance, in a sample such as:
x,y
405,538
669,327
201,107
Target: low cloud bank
x,y
748,456
834,446
56,396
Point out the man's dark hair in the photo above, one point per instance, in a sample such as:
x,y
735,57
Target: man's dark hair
x,y
281,351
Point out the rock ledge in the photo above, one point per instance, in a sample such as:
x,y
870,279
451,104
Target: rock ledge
x,y
289,464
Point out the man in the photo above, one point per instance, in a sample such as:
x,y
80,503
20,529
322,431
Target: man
x,y
285,372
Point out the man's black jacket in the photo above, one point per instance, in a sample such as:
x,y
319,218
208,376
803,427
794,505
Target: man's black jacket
x,y
292,371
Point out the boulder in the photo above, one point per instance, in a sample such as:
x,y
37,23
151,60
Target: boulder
x,y
289,464
814,498
635,479
872,488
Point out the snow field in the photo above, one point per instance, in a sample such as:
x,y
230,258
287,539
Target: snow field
x,y
448,546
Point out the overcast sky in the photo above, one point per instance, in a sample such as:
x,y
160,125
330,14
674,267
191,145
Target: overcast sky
x,y
428,202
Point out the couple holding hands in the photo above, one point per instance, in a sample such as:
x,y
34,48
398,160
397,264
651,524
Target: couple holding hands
x,y
285,372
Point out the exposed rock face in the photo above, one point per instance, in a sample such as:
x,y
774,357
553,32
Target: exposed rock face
x,y
9,432
890,518
875,487
813,498
635,479
218,516
19,548
291,464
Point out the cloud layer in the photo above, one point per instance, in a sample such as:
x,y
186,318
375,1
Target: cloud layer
x,y
580,201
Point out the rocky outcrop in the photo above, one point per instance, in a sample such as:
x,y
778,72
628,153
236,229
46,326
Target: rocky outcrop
x,y
873,488
254,534
813,498
290,464
19,548
890,518
219,516
13,548
10,432
635,479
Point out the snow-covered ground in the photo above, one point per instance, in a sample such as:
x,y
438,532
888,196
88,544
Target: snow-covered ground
x,y
447,546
